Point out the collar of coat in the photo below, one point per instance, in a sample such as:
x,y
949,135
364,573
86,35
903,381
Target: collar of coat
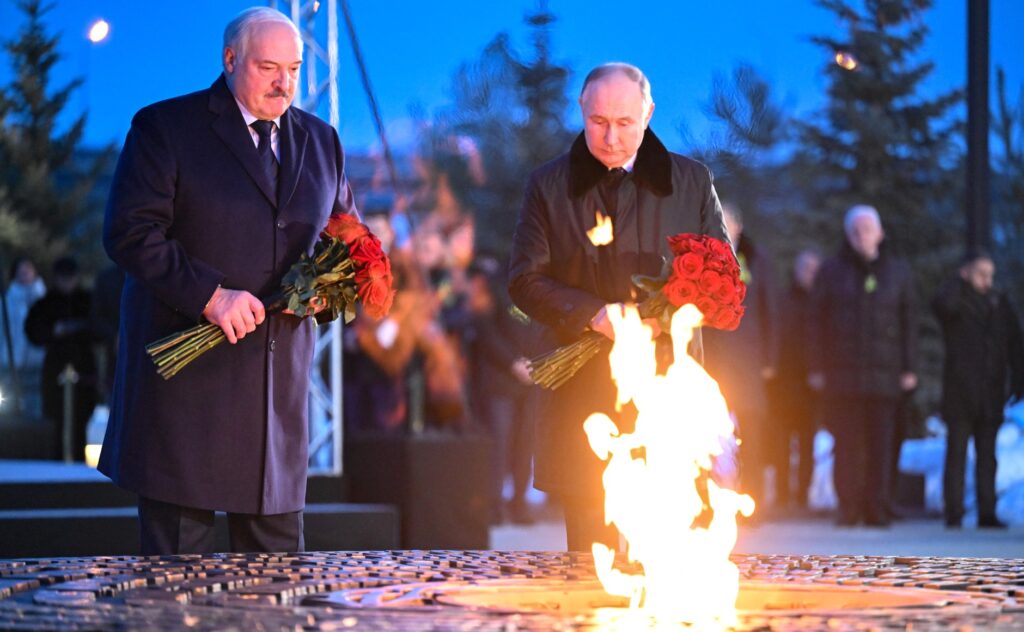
x,y
652,170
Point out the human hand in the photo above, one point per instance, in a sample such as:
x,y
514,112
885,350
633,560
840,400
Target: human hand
x,y
521,370
601,324
236,312
816,381
767,373
655,327
908,381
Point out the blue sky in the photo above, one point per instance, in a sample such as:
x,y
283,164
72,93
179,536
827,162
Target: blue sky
x,y
158,49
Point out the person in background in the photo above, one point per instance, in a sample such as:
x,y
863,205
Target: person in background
x,y
26,287
742,361
502,395
61,322
861,362
984,365
792,402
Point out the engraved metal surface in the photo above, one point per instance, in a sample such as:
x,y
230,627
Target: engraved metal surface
x,y
486,590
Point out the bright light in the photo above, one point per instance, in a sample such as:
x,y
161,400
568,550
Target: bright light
x,y
602,233
1,398
99,31
846,60
681,539
92,454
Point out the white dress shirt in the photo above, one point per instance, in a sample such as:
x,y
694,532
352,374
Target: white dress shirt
x,y
274,131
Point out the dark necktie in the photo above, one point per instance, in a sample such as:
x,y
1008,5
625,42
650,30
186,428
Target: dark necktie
x,y
266,150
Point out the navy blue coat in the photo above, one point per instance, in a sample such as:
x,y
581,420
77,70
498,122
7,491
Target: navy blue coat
x,y
191,208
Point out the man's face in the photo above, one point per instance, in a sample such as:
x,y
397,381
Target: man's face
x,y
806,269
614,119
980,273
264,79
865,236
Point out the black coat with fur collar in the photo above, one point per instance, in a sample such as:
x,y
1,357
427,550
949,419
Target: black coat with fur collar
x,y
561,280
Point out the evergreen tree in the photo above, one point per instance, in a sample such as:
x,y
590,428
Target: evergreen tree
x,y
45,211
513,109
878,140
1008,184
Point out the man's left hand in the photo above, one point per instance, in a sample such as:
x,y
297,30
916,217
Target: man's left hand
x,y
317,304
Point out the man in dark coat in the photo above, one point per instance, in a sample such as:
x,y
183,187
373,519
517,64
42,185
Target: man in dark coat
x,y
60,322
984,365
563,281
742,361
216,194
792,401
861,357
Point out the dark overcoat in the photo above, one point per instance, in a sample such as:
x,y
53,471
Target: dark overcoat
x,y
561,280
736,358
861,325
984,353
191,208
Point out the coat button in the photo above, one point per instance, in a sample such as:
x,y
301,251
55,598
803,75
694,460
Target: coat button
x,y
272,345
280,223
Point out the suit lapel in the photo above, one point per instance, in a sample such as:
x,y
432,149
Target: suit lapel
x,y
292,143
230,127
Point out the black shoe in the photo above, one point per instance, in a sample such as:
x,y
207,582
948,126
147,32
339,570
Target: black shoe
x,y
953,523
991,523
878,522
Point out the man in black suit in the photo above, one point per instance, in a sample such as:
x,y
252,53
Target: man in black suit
x,y
216,194
984,366
619,168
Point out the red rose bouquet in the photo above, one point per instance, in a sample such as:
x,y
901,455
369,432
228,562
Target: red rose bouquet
x,y
347,265
703,271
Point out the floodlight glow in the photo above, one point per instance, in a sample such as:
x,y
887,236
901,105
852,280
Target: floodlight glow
x,y
846,60
99,31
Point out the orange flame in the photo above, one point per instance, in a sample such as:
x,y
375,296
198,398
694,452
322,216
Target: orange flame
x,y
601,234
682,424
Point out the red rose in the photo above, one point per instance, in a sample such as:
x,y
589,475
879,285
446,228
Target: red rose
x,y
345,228
683,243
709,282
365,249
680,291
741,291
726,289
719,248
375,271
376,297
708,307
688,265
728,319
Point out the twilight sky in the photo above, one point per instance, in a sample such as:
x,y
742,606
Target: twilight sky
x,y
162,48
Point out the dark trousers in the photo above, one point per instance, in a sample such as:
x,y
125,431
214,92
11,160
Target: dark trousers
x,y
510,421
755,451
169,529
863,428
793,419
584,524
958,431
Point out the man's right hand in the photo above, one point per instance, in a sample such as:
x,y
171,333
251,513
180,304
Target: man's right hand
x,y
236,312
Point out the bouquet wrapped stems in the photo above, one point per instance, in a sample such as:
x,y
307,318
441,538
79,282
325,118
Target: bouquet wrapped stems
x,y
556,367
703,272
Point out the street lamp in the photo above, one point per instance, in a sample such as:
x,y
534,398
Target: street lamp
x,y
98,31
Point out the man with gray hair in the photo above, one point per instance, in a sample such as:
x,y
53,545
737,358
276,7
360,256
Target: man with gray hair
x,y
216,194
861,357
619,169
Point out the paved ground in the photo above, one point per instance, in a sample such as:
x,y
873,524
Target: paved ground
x,y
815,536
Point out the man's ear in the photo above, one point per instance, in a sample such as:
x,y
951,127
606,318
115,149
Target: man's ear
x,y
650,113
230,59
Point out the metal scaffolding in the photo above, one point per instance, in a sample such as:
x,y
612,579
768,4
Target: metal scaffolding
x,y
320,53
